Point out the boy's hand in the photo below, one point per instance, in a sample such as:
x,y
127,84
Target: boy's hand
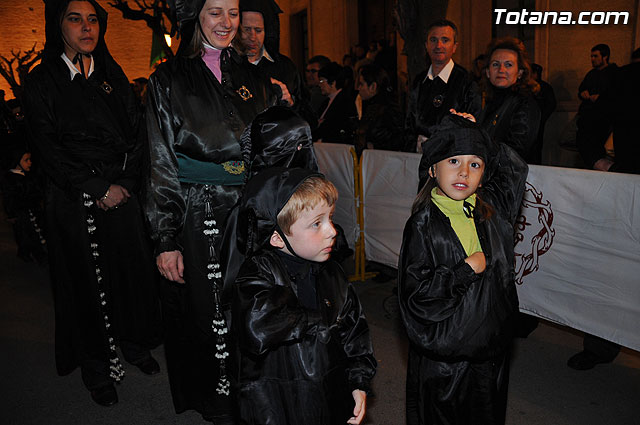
x,y
477,262
360,397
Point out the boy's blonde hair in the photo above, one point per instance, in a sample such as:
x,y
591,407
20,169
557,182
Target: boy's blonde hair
x,y
308,195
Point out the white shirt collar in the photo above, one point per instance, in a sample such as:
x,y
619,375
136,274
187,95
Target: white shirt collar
x,y
265,55
72,68
444,74
17,171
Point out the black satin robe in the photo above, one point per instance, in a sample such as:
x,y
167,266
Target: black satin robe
x,y
190,113
458,322
512,119
85,138
299,365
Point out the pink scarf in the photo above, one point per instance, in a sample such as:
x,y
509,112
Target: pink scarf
x,y
211,58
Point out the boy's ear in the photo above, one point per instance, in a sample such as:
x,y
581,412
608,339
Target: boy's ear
x,y
276,240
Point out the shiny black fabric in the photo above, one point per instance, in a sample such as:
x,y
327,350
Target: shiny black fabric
x,y
192,114
277,137
297,365
460,93
86,138
513,119
456,319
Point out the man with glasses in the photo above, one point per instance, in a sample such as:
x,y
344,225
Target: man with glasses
x,y
444,86
314,65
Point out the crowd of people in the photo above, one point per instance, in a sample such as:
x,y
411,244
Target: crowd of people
x,y
187,209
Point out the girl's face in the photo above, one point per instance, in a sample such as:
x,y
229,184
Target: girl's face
x,y
458,177
503,69
25,162
366,91
80,28
219,20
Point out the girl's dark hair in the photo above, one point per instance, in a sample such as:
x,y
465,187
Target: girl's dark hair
x,y
525,84
376,74
483,210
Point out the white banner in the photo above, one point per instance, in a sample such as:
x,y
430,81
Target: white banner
x,y
578,241
335,161
390,184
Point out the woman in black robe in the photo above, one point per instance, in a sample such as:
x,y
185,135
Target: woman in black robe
x,y
83,123
197,107
511,115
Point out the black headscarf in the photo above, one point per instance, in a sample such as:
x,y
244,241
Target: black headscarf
x,y
270,11
54,46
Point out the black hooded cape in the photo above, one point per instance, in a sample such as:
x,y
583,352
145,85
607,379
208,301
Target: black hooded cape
x,y
298,365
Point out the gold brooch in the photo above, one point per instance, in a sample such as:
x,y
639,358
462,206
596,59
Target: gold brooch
x,y
106,87
244,93
233,167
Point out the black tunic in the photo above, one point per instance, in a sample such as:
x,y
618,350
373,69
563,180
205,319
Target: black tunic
x,y
192,115
84,133
458,322
299,365
460,92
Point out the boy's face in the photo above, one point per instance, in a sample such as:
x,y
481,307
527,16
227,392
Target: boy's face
x,y
459,176
312,235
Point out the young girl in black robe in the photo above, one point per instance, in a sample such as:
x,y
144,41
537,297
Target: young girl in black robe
x,y
456,281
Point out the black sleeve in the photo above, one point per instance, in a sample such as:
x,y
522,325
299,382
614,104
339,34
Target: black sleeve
x,y
165,206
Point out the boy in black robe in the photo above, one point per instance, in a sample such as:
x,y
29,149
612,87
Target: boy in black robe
x,y
305,349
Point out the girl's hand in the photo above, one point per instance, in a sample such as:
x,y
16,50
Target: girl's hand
x,y
477,262
286,96
171,266
463,115
360,397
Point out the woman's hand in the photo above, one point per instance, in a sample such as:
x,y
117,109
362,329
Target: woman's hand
x,y
360,397
286,96
114,197
463,115
477,262
171,266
